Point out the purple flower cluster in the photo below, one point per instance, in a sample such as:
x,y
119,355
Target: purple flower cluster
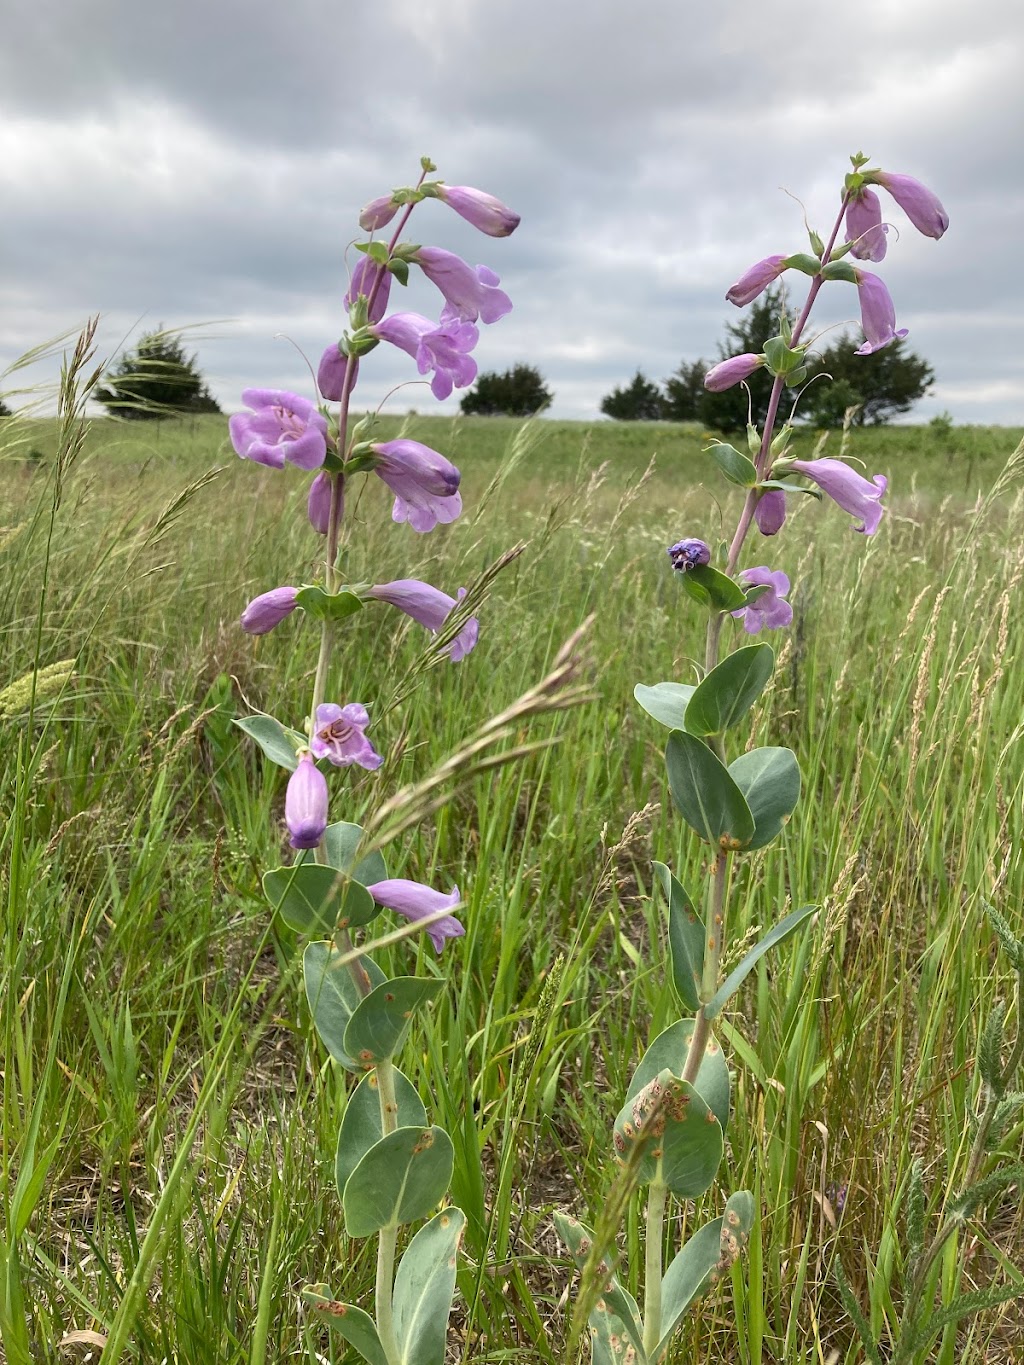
x,y
282,428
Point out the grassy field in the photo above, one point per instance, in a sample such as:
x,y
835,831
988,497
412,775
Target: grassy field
x,y
165,1103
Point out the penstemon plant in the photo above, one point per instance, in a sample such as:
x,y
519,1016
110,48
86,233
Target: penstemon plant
x,y
669,1136
393,1167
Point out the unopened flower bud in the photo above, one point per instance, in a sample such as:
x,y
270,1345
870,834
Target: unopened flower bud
x,y
732,371
305,804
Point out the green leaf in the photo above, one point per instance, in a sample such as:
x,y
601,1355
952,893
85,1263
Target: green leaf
x,y
400,270
425,1287
379,1023
736,466
351,1323
313,899
579,1239
665,701
839,270
685,939
680,1135
705,794
609,1344
333,995
769,780
728,692
810,265
361,1125
702,1262
328,606
668,1052
277,741
340,845
401,1178
777,934
712,589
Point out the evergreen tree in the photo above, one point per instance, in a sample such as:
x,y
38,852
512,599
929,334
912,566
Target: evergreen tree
x,y
156,380
882,385
518,392
639,401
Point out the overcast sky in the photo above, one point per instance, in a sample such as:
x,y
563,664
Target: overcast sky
x,y
187,162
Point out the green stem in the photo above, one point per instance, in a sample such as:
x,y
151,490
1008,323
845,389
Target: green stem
x,y
388,1237
657,1198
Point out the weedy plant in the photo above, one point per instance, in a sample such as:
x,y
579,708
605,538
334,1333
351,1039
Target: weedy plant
x,y
669,1136
393,1167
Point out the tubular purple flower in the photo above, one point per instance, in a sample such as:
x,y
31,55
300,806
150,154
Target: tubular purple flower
x,y
318,505
877,313
485,212
732,371
364,277
850,490
439,347
305,804
756,280
770,512
282,426
378,213
425,484
688,554
431,608
917,201
268,610
330,375
339,736
413,900
864,226
770,610
469,291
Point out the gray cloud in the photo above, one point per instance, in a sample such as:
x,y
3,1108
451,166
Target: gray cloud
x,y
207,161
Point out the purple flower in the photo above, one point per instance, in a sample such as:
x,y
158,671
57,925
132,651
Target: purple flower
x,y
414,901
364,278
756,280
920,205
688,554
770,609
852,492
305,804
469,291
431,608
877,313
485,212
442,347
425,484
377,213
770,511
268,610
318,504
281,427
729,372
864,226
338,736
330,375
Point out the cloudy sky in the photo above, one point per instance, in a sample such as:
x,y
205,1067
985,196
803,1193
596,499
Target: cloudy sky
x,y
205,162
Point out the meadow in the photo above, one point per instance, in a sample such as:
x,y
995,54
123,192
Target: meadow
x,y
169,1117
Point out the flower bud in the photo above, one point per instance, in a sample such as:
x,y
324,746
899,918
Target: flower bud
x,y
268,610
732,371
305,804
378,213
688,554
917,201
756,280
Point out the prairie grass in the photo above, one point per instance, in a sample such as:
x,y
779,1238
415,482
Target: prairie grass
x,y
168,1117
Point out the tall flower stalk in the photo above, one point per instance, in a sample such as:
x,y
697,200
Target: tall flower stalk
x,y
669,1136
393,1168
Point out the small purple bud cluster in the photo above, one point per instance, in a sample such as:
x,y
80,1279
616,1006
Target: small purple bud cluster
x,y
284,428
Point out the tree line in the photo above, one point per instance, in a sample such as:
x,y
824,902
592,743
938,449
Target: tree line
x,y
159,379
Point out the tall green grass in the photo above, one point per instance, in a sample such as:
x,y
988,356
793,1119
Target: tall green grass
x,y
168,1118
